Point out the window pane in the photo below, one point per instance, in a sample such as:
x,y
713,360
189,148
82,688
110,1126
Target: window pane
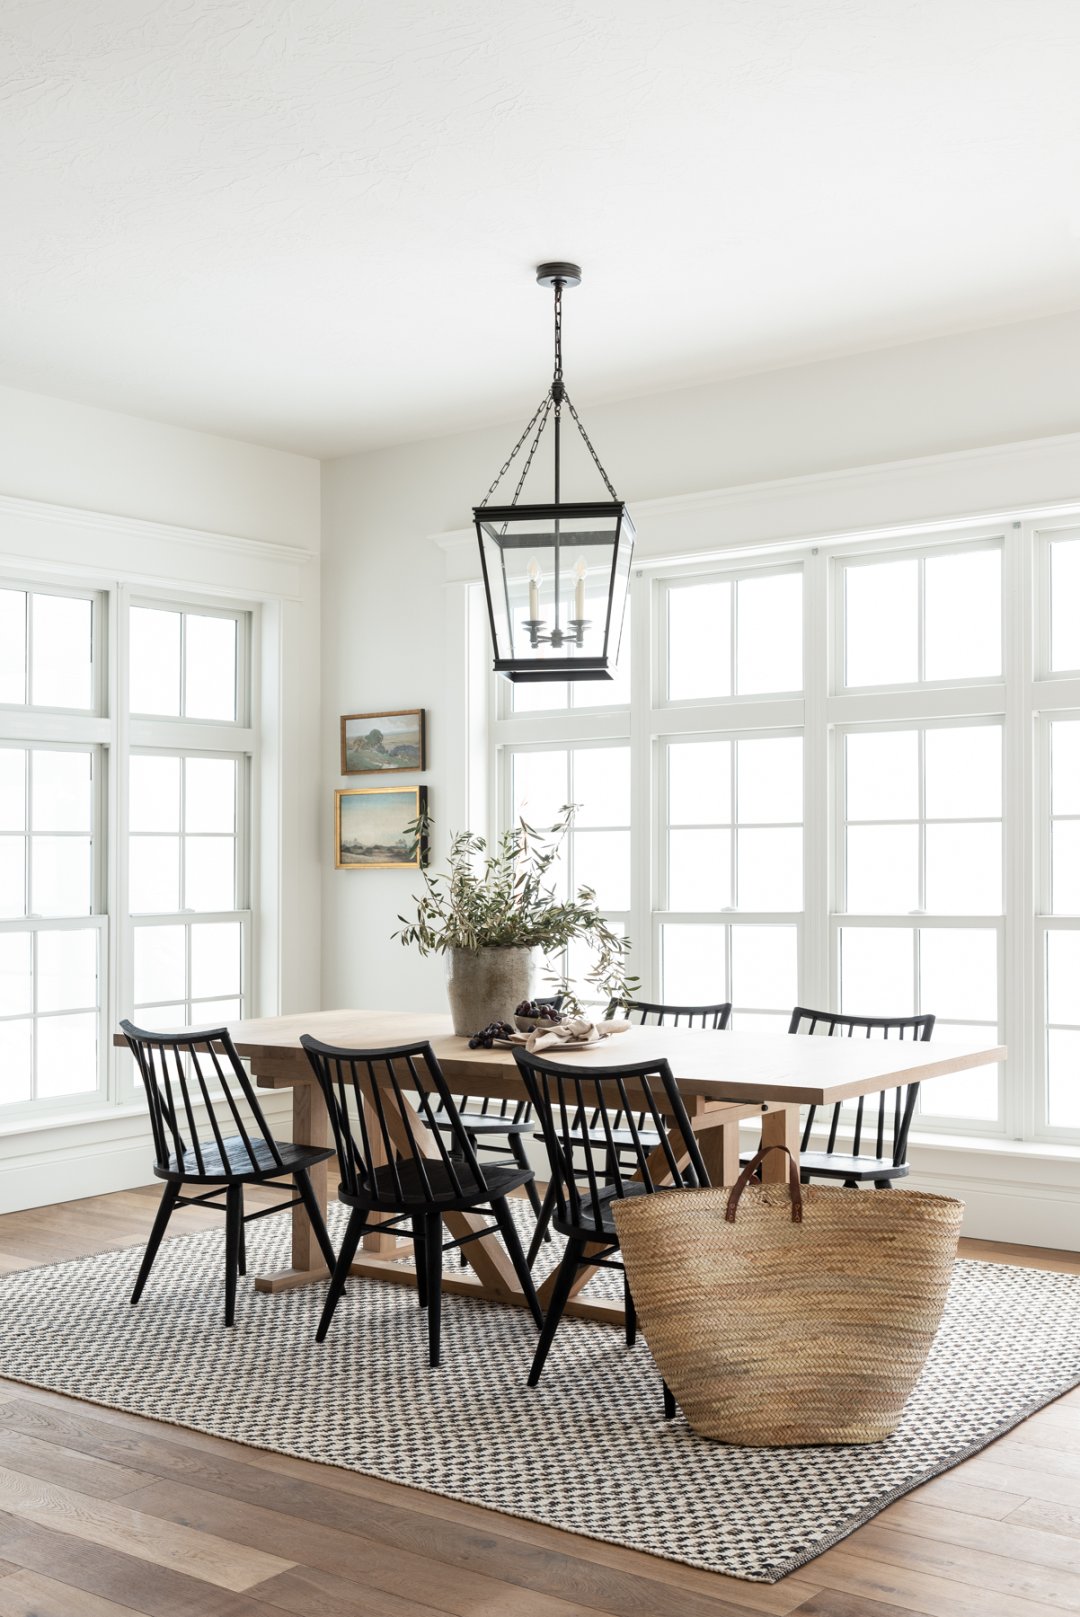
x,y
694,964
614,692
67,1055
699,783
764,967
209,873
877,971
770,780
963,869
580,960
16,1069
699,641
963,615
770,869
1065,867
154,654
13,647
154,875
60,876
215,1012
541,787
699,870
215,959
67,970
958,973
160,972
1062,1074
1063,977
60,791
209,667
60,674
12,877
1065,604
210,794
768,634
602,862
12,789
16,989
1065,767
972,1094
883,775
882,869
881,616
963,772
155,793
602,785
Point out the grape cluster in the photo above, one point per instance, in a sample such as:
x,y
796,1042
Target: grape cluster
x,y
538,1013
487,1035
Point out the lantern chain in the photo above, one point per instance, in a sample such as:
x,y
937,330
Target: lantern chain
x,y
541,409
589,446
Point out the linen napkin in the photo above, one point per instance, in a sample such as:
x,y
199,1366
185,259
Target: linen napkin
x,y
565,1035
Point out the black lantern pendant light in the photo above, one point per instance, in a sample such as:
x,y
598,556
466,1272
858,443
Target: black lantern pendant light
x,y
556,575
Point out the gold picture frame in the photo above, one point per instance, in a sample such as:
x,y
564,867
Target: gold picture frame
x,y
380,743
374,828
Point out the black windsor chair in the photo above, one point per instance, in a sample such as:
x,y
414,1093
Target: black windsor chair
x,y
385,1104
200,1068
643,1014
892,1124
583,1196
498,1127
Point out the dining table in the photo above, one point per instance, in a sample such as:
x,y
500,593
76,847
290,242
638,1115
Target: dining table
x,y
725,1079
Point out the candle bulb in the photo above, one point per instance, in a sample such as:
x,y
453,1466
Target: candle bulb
x,y
534,589
579,590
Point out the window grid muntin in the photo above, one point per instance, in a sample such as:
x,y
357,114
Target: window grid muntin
x,y
98,659
242,674
733,574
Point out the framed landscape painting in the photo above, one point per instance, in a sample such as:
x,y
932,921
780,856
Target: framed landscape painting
x,y
374,743
374,827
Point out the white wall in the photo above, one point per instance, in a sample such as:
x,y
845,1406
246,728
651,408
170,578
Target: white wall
x,y
89,494
391,623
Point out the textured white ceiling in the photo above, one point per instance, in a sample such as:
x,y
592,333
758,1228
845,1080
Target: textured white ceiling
x,y
313,223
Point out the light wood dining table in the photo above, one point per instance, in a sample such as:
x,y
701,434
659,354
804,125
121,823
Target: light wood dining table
x,y
725,1078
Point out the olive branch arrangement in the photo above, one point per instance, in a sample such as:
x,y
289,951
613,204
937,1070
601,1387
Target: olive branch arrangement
x,y
502,897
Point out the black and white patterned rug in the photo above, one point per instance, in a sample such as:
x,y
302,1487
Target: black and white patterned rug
x,y
593,1431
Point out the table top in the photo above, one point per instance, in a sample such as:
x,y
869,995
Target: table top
x,y
772,1067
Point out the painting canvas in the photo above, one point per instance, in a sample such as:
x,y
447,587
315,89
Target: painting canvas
x,y
372,827
374,742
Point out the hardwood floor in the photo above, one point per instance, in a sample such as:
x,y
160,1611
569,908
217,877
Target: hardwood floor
x,y
104,1514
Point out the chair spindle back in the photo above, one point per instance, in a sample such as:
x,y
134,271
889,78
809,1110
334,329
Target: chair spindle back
x,y
833,1024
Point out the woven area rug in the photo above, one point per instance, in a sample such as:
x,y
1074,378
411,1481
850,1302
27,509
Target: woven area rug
x,y
593,1431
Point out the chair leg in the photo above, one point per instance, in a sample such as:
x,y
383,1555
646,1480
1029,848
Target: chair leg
x,y
433,1255
670,1405
234,1225
420,1251
630,1311
508,1229
241,1257
560,1296
351,1240
851,1184
882,1184
542,1233
164,1213
462,1259
314,1213
520,1156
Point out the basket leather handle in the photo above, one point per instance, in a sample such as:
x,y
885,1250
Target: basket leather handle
x,y
747,1174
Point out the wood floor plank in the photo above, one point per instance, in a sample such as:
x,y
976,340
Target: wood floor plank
x,y
52,1462
949,1492
1053,1516
29,1594
831,1603
311,1592
868,1577
202,1554
451,1570
229,1468
999,1473
1017,1540
982,1571
115,1575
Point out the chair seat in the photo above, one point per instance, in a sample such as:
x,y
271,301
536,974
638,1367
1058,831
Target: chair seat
x,y
600,1208
485,1123
236,1164
648,1138
440,1192
834,1165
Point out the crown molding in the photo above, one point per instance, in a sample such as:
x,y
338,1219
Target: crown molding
x,y
143,529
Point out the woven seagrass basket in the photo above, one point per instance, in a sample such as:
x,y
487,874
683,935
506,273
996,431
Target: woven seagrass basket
x,y
787,1314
